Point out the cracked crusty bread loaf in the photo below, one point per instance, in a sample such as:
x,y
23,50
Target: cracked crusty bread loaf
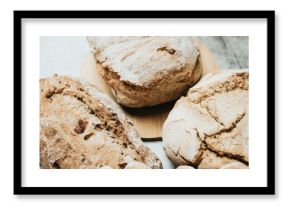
x,y
82,127
209,127
146,70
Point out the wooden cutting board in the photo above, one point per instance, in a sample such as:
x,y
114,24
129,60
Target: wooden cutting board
x,y
147,121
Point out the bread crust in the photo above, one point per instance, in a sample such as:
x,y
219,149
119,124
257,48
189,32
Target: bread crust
x,y
82,127
235,165
146,71
184,167
209,127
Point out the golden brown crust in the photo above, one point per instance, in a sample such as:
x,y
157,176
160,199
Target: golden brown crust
x,y
209,127
150,70
235,165
83,128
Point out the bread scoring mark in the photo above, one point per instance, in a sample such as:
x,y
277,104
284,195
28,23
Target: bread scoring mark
x,y
212,115
230,127
126,56
206,146
225,130
171,51
178,155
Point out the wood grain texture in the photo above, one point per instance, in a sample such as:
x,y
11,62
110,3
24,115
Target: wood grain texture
x,y
148,121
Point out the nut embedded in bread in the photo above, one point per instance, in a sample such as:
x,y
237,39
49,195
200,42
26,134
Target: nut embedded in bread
x,y
82,127
209,127
147,70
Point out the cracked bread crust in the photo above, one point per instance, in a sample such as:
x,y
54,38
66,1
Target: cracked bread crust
x,y
146,70
209,127
82,127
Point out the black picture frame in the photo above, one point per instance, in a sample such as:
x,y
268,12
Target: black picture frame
x,y
268,190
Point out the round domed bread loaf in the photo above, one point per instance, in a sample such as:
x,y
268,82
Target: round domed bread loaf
x,y
81,127
209,127
146,70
